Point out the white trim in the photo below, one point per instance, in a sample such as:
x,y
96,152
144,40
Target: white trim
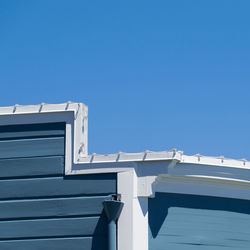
x,y
131,157
125,187
140,222
203,186
174,176
133,221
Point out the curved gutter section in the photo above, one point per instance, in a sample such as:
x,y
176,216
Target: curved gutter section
x,y
112,210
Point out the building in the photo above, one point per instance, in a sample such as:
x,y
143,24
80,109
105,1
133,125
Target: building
x,y
52,193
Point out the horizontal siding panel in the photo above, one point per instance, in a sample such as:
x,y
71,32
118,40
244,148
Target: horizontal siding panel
x,y
32,147
178,221
77,243
196,240
58,186
163,245
31,134
205,227
32,130
205,220
28,167
78,206
53,227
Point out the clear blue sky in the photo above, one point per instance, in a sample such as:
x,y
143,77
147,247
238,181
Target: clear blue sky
x,y
156,75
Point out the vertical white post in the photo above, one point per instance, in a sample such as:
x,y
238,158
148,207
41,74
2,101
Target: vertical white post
x,y
140,223
125,187
133,221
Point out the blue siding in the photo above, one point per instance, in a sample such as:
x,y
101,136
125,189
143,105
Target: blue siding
x,y
51,208
31,147
59,186
31,167
32,130
40,208
190,222
66,243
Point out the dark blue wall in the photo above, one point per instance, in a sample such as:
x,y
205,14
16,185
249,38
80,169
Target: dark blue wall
x,y
190,222
40,208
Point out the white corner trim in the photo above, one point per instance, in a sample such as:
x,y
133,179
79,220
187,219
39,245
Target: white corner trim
x,y
125,187
133,221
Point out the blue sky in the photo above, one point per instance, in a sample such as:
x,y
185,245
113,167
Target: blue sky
x,y
156,75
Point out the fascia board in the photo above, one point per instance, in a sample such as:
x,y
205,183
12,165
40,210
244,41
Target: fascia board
x,y
203,185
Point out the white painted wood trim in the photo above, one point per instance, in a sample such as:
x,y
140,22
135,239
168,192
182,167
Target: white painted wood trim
x,y
178,177
203,185
125,187
133,221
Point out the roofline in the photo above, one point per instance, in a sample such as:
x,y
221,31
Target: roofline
x,y
165,155
121,156
41,108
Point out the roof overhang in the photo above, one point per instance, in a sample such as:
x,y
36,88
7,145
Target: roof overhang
x,y
166,171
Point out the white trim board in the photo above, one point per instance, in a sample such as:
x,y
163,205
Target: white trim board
x,y
133,221
202,185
